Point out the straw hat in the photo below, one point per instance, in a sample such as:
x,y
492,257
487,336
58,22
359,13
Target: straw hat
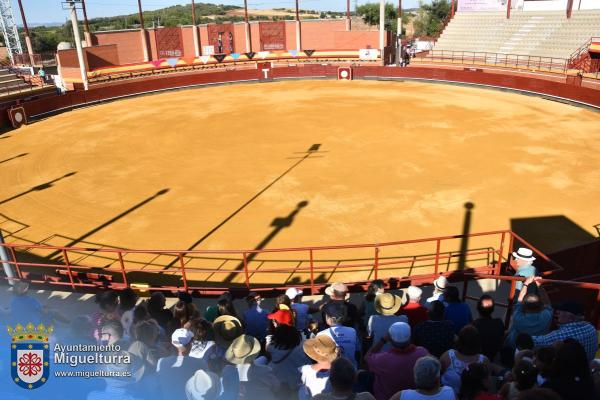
x,y
441,282
387,304
523,253
243,350
321,348
336,287
204,385
227,328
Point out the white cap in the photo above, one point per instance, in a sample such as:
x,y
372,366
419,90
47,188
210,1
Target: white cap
x,y
400,332
523,253
414,292
292,293
203,385
181,337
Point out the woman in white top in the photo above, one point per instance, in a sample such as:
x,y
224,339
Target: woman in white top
x,y
427,382
315,378
201,347
455,361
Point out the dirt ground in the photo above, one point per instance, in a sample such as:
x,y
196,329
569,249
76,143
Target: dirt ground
x,y
303,163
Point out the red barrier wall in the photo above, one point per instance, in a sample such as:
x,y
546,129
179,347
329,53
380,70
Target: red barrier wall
x,y
138,86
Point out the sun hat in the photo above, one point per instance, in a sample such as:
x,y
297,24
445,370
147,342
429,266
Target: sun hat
x,y
292,293
441,282
387,304
523,253
203,385
414,292
321,348
400,333
337,287
227,328
181,337
242,350
282,317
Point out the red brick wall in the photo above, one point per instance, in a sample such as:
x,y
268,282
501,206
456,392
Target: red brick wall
x,y
226,30
187,36
101,56
239,30
129,44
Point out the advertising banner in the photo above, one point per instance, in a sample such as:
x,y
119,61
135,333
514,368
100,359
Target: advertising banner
x,y
481,5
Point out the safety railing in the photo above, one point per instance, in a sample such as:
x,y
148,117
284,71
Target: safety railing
x,y
515,61
47,59
593,312
576,55
210,271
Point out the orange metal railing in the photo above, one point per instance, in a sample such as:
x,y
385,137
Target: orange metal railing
x,y
209,271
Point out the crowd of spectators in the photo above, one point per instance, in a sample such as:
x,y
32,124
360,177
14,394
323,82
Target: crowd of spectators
x,y
394,345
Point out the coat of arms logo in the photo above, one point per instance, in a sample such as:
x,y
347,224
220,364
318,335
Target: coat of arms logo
x,y
30,355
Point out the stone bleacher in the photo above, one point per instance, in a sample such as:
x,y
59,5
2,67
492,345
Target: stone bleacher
x,y
545,33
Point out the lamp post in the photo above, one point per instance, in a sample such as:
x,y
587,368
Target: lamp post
x,y
195,31
143,33
248,31
86,25
298,28
382,29
77,39
27,37
348,18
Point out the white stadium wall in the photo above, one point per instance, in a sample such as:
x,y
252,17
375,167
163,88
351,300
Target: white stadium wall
x,y
556,5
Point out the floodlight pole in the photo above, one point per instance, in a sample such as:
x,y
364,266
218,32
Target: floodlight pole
x,y
143,33
382,29
298,28
195,31
78,44
248,30
86,25
27,37
452,10
348,18
399,36
6,262
569,8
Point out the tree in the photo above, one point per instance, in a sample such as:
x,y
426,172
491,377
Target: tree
x,y
370,15
430,17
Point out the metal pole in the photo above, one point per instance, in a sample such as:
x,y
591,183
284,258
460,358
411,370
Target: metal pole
x,y
86,26
248,32
298,28
569,8
348,18
452,10
6,260
508,9
382,29
195,31
78,45
399,38
143,33
27,37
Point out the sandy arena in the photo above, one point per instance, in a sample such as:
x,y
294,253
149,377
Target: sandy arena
x,y
303,163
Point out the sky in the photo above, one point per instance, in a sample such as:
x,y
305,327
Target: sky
x,y
40,11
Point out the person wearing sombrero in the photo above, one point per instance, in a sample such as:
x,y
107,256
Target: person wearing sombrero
x,y
323,350
386,306
338,294
256,381
226,328
522,263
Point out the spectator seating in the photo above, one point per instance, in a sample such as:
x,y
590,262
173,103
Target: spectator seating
x,y
546,34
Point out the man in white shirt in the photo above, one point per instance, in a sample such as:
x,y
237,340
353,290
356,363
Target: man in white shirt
x,y
345,337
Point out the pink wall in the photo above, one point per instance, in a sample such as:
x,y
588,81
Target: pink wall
x,y
239,32
187,36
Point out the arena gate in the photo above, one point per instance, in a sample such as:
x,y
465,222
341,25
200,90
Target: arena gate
x,y
222,38
169,42
272,35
